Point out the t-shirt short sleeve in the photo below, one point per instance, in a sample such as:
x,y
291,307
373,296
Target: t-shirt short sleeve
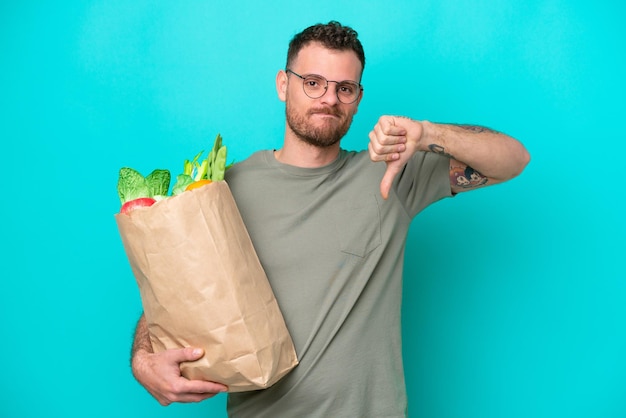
x,y
424,180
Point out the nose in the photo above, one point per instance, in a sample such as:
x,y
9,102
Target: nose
x,y
330,95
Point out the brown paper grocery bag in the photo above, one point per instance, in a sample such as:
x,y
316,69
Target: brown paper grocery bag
x,y
202,285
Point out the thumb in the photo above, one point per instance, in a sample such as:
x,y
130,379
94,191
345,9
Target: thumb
x,y
393,168
188,354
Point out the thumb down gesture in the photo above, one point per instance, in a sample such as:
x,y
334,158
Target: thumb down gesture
x,y
393,140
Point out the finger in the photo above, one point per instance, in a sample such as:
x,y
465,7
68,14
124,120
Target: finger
x,y
378,156
390,174
194,397
380,152
185,390
186,354
187,397
381,139
204,386
388,153
374,156
389,126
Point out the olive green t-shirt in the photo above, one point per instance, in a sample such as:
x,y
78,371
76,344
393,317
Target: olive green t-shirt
x,y
333,252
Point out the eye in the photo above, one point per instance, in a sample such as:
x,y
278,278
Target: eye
x,y
314,82
348,89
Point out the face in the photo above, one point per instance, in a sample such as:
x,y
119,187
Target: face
x,y
320,122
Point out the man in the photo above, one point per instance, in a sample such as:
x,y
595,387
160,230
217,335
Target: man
x,y
329,227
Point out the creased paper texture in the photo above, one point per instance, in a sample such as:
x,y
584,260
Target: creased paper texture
x,y
202,285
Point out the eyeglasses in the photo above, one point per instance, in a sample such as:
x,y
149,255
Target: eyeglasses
x,y
315,86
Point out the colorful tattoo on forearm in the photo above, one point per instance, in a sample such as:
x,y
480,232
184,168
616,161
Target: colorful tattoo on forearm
x,y
463,176
466,177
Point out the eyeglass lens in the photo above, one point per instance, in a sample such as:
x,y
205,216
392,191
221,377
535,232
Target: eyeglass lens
x,y
315,86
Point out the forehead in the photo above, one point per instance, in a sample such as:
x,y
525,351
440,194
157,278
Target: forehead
x,y
333,64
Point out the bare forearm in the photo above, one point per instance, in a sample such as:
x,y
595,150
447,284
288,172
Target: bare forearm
x,y
478,156
141,340
493,154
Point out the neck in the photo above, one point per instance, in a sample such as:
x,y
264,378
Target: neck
x,y
300,154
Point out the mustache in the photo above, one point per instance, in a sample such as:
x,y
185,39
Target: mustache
x,y
326,111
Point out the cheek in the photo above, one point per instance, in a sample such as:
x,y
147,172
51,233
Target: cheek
x,y
350,112
296,104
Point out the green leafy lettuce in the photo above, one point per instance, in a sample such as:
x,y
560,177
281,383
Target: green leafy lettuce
x,y
132,185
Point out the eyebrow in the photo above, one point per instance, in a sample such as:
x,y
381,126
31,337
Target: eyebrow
x,y
334,81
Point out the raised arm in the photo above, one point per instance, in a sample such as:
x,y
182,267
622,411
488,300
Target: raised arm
x,y
160,373
478,156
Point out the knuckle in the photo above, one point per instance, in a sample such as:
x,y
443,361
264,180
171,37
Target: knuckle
x,y
372,152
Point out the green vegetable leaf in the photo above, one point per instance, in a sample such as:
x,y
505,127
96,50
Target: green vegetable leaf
x,y
187,168
201,170
219,165
159,182
217,144
131,185
209,163
182,181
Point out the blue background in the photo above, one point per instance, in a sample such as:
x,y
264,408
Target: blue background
x,y
515,297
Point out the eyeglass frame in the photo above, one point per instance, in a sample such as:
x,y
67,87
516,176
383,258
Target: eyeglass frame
x,y
304,77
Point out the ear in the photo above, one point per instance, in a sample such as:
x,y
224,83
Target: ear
x,y
281,85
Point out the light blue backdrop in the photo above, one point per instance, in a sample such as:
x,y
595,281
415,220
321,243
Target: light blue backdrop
x,y
515,297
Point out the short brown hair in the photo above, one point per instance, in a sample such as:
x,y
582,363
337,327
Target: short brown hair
x,y
333,35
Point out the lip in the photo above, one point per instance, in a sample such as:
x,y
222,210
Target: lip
x,y
325,115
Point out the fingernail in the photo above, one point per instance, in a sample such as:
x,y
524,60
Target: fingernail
x,y
197,351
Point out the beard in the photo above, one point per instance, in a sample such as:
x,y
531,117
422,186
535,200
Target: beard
x,y
325,135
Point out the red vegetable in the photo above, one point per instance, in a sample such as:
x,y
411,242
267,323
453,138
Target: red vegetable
x,y
141,202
